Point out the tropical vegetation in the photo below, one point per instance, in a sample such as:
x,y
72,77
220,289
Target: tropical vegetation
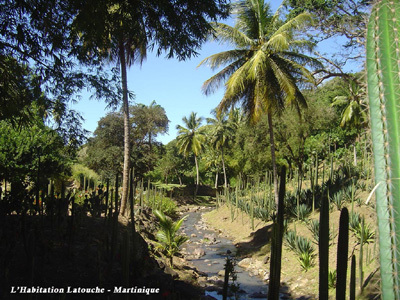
x,y
109,203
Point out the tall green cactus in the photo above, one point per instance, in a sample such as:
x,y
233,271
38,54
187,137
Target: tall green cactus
x,y
323,246
353,278
342,252
383,57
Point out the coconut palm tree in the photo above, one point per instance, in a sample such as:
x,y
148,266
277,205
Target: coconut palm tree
x,y
222,131
191,139
354,114
264,72
168,238
118,35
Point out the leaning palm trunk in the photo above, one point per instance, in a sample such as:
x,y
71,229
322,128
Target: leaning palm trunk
x,y
125,103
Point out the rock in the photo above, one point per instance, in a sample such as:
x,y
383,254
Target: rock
x,y
213,289
171,272
266,277
198,252
258,264
245,263
210,237
221,273
193,235
253,273
213,278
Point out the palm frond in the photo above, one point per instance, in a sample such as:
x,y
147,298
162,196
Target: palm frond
x,y
228,34
223,58
300,21
278,42
213,83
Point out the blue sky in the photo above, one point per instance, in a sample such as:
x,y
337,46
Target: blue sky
x,y
174,85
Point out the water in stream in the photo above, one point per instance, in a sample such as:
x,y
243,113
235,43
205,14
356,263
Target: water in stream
x,y
215,254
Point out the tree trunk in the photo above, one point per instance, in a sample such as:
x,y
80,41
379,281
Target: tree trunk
x,y
216,180
125,172
223,168
197,175
355,154
273,158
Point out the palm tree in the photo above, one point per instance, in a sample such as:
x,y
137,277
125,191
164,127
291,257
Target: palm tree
x,y
119,35
190,139
354,114
168,238
222,131
263,73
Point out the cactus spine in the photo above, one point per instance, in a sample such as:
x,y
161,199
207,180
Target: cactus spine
x,y
383,56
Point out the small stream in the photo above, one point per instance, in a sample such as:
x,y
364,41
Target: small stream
x,y
213,250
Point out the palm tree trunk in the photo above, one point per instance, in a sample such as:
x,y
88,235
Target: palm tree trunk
x,y
273,158
223,167
197,175
125,103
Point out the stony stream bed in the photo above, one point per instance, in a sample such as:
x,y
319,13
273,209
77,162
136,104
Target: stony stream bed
x,y
208,249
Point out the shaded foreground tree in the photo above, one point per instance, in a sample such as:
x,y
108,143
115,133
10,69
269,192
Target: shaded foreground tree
x,y
125,30
38,63
263,73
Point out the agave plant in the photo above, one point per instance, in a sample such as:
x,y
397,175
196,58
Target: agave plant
x,y
338,200
313,226
301,212
302,247
354,221
332,279
168,238
305,251
290,240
